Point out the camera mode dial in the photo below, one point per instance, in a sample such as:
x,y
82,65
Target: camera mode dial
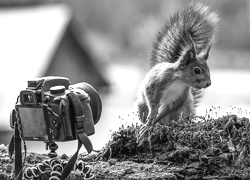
x,y
57,89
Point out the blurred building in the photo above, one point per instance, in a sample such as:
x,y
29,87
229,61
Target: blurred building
x,y
36,41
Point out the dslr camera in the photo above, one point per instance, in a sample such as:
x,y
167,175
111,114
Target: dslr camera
x,y
51,109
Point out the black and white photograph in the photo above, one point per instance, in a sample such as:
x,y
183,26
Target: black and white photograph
x,y
125,89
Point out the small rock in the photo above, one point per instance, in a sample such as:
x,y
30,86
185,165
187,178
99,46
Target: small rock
x,y
65,157
112,162
129,171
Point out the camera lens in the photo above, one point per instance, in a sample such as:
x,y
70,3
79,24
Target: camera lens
x,y
95,100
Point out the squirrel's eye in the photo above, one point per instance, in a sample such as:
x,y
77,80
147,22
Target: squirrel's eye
x,y
197,70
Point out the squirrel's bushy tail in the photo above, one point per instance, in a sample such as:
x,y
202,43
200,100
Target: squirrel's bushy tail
x,y
197,20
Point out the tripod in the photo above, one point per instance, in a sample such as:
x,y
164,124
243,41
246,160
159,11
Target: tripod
x,y
55,166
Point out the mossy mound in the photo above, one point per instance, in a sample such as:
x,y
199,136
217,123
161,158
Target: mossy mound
x,y
192,148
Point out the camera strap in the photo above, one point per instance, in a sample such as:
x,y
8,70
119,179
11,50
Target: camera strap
x,y
81,135
16,146
79,121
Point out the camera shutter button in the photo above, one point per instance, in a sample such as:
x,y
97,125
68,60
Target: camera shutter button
x,y
57,89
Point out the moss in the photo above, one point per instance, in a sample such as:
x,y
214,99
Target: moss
x,y
215,147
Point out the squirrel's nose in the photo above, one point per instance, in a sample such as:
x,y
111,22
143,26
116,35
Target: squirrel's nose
x,y
208,83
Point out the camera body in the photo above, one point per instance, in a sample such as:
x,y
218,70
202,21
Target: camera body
x,y
45,112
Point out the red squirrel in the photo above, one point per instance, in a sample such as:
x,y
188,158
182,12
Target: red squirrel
x,y
179,69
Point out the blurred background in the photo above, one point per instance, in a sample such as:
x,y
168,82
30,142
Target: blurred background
x,y
108,44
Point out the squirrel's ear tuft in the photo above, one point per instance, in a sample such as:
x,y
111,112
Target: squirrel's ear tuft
x,y
189,54
206,54
188,57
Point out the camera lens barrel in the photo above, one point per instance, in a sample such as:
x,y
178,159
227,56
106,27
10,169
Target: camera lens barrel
x,y
95,100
